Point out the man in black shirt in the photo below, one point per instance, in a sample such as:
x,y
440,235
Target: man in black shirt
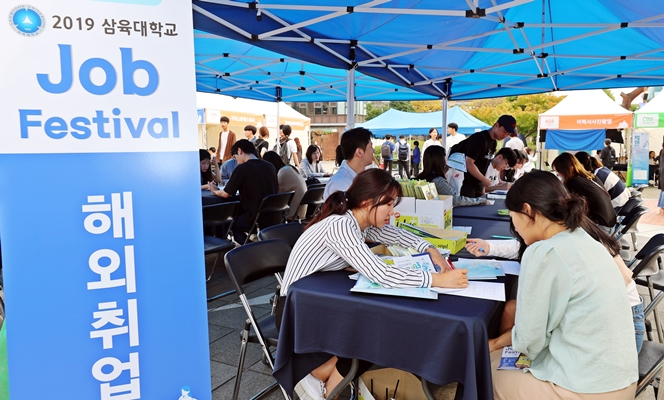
x,y
479,149
254,178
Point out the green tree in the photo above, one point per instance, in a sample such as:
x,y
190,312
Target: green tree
x,y
423,106
406,106
374,111
608,93
525,109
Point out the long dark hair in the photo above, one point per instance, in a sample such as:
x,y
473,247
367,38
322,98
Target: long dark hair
x,y
546,195
274,159
374,185
338,156
207,175
434,164
310,151
569,167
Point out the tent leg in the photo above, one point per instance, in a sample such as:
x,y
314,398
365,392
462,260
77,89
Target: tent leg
x,y
443,134
350,99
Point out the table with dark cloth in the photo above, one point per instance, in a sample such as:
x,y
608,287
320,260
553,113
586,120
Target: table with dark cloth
x,y
482,229
482,212
442,340
209,199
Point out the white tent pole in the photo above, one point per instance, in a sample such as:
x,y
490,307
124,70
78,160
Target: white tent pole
x,y
350,99
443,134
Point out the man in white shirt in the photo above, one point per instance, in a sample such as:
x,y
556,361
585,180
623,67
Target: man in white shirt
x,y
289,154
226,141
452,137
357,149
504,159
514,143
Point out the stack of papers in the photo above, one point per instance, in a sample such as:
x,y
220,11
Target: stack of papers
x,y
512,359
478,290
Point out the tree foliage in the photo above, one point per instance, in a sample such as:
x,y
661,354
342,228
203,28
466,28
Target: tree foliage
x,y
406,106
374,111
525,109
423,106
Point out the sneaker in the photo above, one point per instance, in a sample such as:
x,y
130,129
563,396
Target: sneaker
x,y
310,388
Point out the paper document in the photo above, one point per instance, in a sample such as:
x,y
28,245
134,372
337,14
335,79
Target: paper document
x,y
496,196
511,267
480,269
364,285
512,359
479,290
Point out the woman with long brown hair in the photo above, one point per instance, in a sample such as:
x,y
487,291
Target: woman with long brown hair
x,y
335,240
583,183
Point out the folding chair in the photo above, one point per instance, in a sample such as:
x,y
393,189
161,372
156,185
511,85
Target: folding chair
x,y
631,203
316,185
649,274
289,233
313,199
247,264
218,217
651,360
629,224
272,211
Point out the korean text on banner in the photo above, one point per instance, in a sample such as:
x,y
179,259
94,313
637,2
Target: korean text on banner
x,y
103,261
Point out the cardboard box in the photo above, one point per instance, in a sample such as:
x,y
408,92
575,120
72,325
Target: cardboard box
x,y
380,249
448,239
410,388
425,213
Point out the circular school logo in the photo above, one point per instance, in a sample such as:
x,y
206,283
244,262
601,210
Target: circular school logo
x,y
27,20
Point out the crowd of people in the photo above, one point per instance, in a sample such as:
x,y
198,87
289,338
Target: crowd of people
x,y
569,288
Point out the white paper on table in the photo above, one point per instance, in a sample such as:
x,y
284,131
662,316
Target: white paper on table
x,y
496,196
479,290
511,267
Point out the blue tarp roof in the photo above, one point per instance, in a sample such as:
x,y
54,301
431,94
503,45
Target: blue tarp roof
x,y
442,48
397,122
239,69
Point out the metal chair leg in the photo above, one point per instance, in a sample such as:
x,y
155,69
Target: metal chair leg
x,y
427,390
240,367
658,327
634,241
349,377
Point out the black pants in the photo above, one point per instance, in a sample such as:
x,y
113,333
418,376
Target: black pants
x,y
343,364
471,190
241,225
387,166
403,169
414,169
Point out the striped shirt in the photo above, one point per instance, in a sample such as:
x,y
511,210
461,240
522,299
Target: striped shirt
x,y
337,242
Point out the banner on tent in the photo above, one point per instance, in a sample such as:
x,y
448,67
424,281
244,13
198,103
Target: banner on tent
x,y
569,122
106,279
649,120
640,159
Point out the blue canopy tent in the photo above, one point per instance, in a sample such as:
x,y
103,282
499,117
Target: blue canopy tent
x,y
242,70
397,122
447,49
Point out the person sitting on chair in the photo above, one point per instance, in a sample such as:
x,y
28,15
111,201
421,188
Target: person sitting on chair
x,y
357,151
335,240
254,178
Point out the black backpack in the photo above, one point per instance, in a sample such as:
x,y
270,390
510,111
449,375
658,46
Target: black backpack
x,y
403,151
284,152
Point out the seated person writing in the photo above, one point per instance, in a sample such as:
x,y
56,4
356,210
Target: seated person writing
x,y
335,240
573,317
206,172
503,160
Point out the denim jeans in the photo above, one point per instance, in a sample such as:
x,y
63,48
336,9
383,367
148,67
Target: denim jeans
x,y
639,324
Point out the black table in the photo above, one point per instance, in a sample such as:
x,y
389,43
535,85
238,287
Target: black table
x,y
482,229
482,212
208,198
442,340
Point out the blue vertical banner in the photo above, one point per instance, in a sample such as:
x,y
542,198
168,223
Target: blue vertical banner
x,y
640,159
100,209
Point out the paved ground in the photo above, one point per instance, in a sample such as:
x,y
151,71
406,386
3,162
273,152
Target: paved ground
x,y
226,319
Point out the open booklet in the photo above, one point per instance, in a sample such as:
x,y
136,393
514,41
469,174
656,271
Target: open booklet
x,y
415,262
512,359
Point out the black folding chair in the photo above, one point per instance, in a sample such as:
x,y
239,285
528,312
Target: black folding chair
x,y
272,211
629,224
651,360
313,199
247,264
629,205
218,218
316,185
289,233
646,269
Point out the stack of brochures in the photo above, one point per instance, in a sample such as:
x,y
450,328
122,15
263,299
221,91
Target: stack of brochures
x,y
420,189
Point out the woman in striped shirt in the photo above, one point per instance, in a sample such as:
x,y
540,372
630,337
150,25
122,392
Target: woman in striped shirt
x,y
335,240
